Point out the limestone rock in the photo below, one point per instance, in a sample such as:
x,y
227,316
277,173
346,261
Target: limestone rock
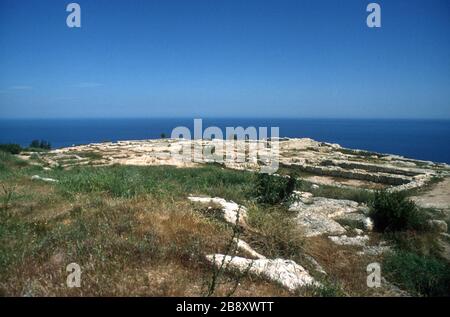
x,y
44,179
355,241
314,224
368,224
326,206
374,250
360,219
330,161
285,272
316,217
231,210
304,197
361,241
316,264
438,225
243,246
358,231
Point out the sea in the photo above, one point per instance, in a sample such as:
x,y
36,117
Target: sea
x,y
418,139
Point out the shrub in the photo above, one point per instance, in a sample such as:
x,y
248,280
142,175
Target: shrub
x,y
36,144
11,148
271,189
422,275
395,212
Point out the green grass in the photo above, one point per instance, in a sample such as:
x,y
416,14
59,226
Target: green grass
x,y
163,181
106,237
118,219
10,166
360,195
421,243
421,275
327,289
35,149
334,192
9,160
14,235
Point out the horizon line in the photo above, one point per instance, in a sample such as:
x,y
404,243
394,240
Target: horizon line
x,y
227,117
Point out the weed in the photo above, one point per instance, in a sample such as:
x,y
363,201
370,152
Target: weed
x,y
8,192
218,272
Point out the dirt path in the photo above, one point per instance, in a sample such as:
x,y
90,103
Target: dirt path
x,y
437,197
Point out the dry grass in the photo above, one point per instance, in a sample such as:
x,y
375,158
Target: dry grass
x,y
343,265
146,245
134,233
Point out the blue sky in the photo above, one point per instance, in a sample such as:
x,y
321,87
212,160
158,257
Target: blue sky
x,y
225,58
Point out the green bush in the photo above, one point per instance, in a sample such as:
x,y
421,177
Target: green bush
x,y
36,144
11,148
395,212
272,189
422,275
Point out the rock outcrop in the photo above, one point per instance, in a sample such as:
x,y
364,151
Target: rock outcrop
x,y
232,212
285,272
316,215
355,241
44,179
323,162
